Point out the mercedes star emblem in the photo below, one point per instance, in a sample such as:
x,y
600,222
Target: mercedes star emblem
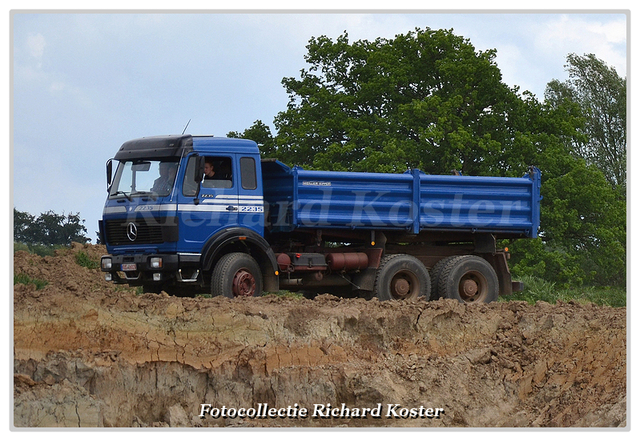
x,y
132,231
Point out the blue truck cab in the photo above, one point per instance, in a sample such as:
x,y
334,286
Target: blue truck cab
x,y
165,222
188,214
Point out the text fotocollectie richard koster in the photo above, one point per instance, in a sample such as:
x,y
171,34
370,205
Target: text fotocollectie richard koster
x,y
263,411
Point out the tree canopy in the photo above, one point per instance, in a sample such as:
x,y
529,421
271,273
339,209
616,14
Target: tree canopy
x,y
601,95
426,99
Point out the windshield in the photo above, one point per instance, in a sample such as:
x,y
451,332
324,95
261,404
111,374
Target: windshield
x,y
143,177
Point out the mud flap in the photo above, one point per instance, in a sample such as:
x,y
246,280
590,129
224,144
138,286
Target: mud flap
x,y
501,267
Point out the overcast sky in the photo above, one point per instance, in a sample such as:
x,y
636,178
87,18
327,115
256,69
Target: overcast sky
x,y
84,83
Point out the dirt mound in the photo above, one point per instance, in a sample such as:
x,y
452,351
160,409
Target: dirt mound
x,y
90,354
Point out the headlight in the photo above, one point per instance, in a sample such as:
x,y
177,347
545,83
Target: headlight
x,y
155,262
106,263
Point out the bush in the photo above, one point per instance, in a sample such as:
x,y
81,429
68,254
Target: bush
x,y
536,289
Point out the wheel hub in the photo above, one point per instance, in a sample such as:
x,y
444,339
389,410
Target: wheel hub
x,y
402,287
243,284
470,287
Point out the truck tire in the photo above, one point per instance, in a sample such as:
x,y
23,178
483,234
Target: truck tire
x,y
468,279
236,275
435,276
402,277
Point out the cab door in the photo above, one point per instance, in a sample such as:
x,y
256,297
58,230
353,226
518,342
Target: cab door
x,y
251,202
214,207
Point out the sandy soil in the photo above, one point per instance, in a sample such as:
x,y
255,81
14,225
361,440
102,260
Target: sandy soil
x,y
90,354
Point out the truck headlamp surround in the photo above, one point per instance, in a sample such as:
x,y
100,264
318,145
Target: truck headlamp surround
x,y
106,263
155,262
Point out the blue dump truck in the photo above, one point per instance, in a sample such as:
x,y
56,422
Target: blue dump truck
x,y
188,214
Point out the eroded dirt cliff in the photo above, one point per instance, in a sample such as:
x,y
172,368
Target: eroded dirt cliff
x,y
89,354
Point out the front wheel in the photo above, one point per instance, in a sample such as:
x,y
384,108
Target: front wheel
x,y
468,279
236,275
402,277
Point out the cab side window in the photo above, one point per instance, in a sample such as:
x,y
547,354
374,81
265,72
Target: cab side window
x,y
248,173
217,172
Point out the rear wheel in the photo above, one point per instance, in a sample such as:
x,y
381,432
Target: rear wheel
x,y
236,275
468,279
402,277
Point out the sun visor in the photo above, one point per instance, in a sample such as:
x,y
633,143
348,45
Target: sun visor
x,y
155,147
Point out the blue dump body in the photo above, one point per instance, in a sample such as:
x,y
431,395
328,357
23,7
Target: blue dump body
x,y
412,201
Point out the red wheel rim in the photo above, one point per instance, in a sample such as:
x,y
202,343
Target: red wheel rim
x,y
473,287
404,285
244,284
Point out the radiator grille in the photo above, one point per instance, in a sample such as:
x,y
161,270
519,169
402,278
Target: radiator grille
x,y
138,231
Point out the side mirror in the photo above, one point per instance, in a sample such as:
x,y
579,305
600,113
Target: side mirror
x,y
109,173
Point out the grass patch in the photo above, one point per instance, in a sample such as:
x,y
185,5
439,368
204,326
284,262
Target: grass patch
x,y
289,294
536,289
24,279
84,260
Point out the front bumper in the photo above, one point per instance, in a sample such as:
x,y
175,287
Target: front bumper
x,y
149,269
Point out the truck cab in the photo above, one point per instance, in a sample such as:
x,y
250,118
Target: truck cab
x,y
166,222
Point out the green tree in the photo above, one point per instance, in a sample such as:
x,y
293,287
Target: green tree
x,y
583,231
583,237
22,226
48,228
601,95
426,99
